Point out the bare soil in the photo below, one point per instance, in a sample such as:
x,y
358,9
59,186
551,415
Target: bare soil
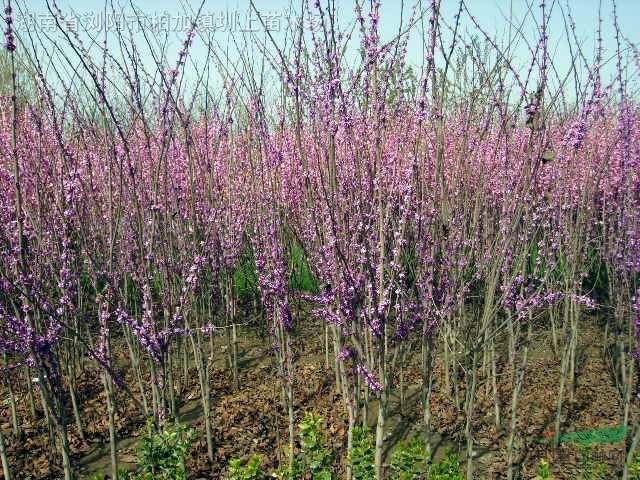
x,y
250,420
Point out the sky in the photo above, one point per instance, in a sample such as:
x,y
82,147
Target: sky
x,y
231,15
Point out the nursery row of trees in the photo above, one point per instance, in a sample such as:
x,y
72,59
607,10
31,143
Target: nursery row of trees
x,y
454,210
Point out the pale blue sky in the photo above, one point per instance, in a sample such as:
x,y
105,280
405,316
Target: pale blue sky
x,y
489,13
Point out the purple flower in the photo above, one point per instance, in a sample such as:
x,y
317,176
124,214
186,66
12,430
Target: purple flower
x,y
346,353
285,317
371,380
8,33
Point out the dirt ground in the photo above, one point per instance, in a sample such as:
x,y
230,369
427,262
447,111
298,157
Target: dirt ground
x,y
250,419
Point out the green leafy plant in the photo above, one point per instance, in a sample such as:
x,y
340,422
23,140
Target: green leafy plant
x,y
362,454
448,468
410,460
634,468
314,455
123,473
293,470
314,461
161,454
544,470
252,470
589,470
301,277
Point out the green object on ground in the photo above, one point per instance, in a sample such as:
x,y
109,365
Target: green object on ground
x,y
602,435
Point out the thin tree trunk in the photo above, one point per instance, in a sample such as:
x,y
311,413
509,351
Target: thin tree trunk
x,y
380,434
74,400
32,400
4,458
470,409
427,386
494,386
631,452
111,412
12,401
234,355
518,378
